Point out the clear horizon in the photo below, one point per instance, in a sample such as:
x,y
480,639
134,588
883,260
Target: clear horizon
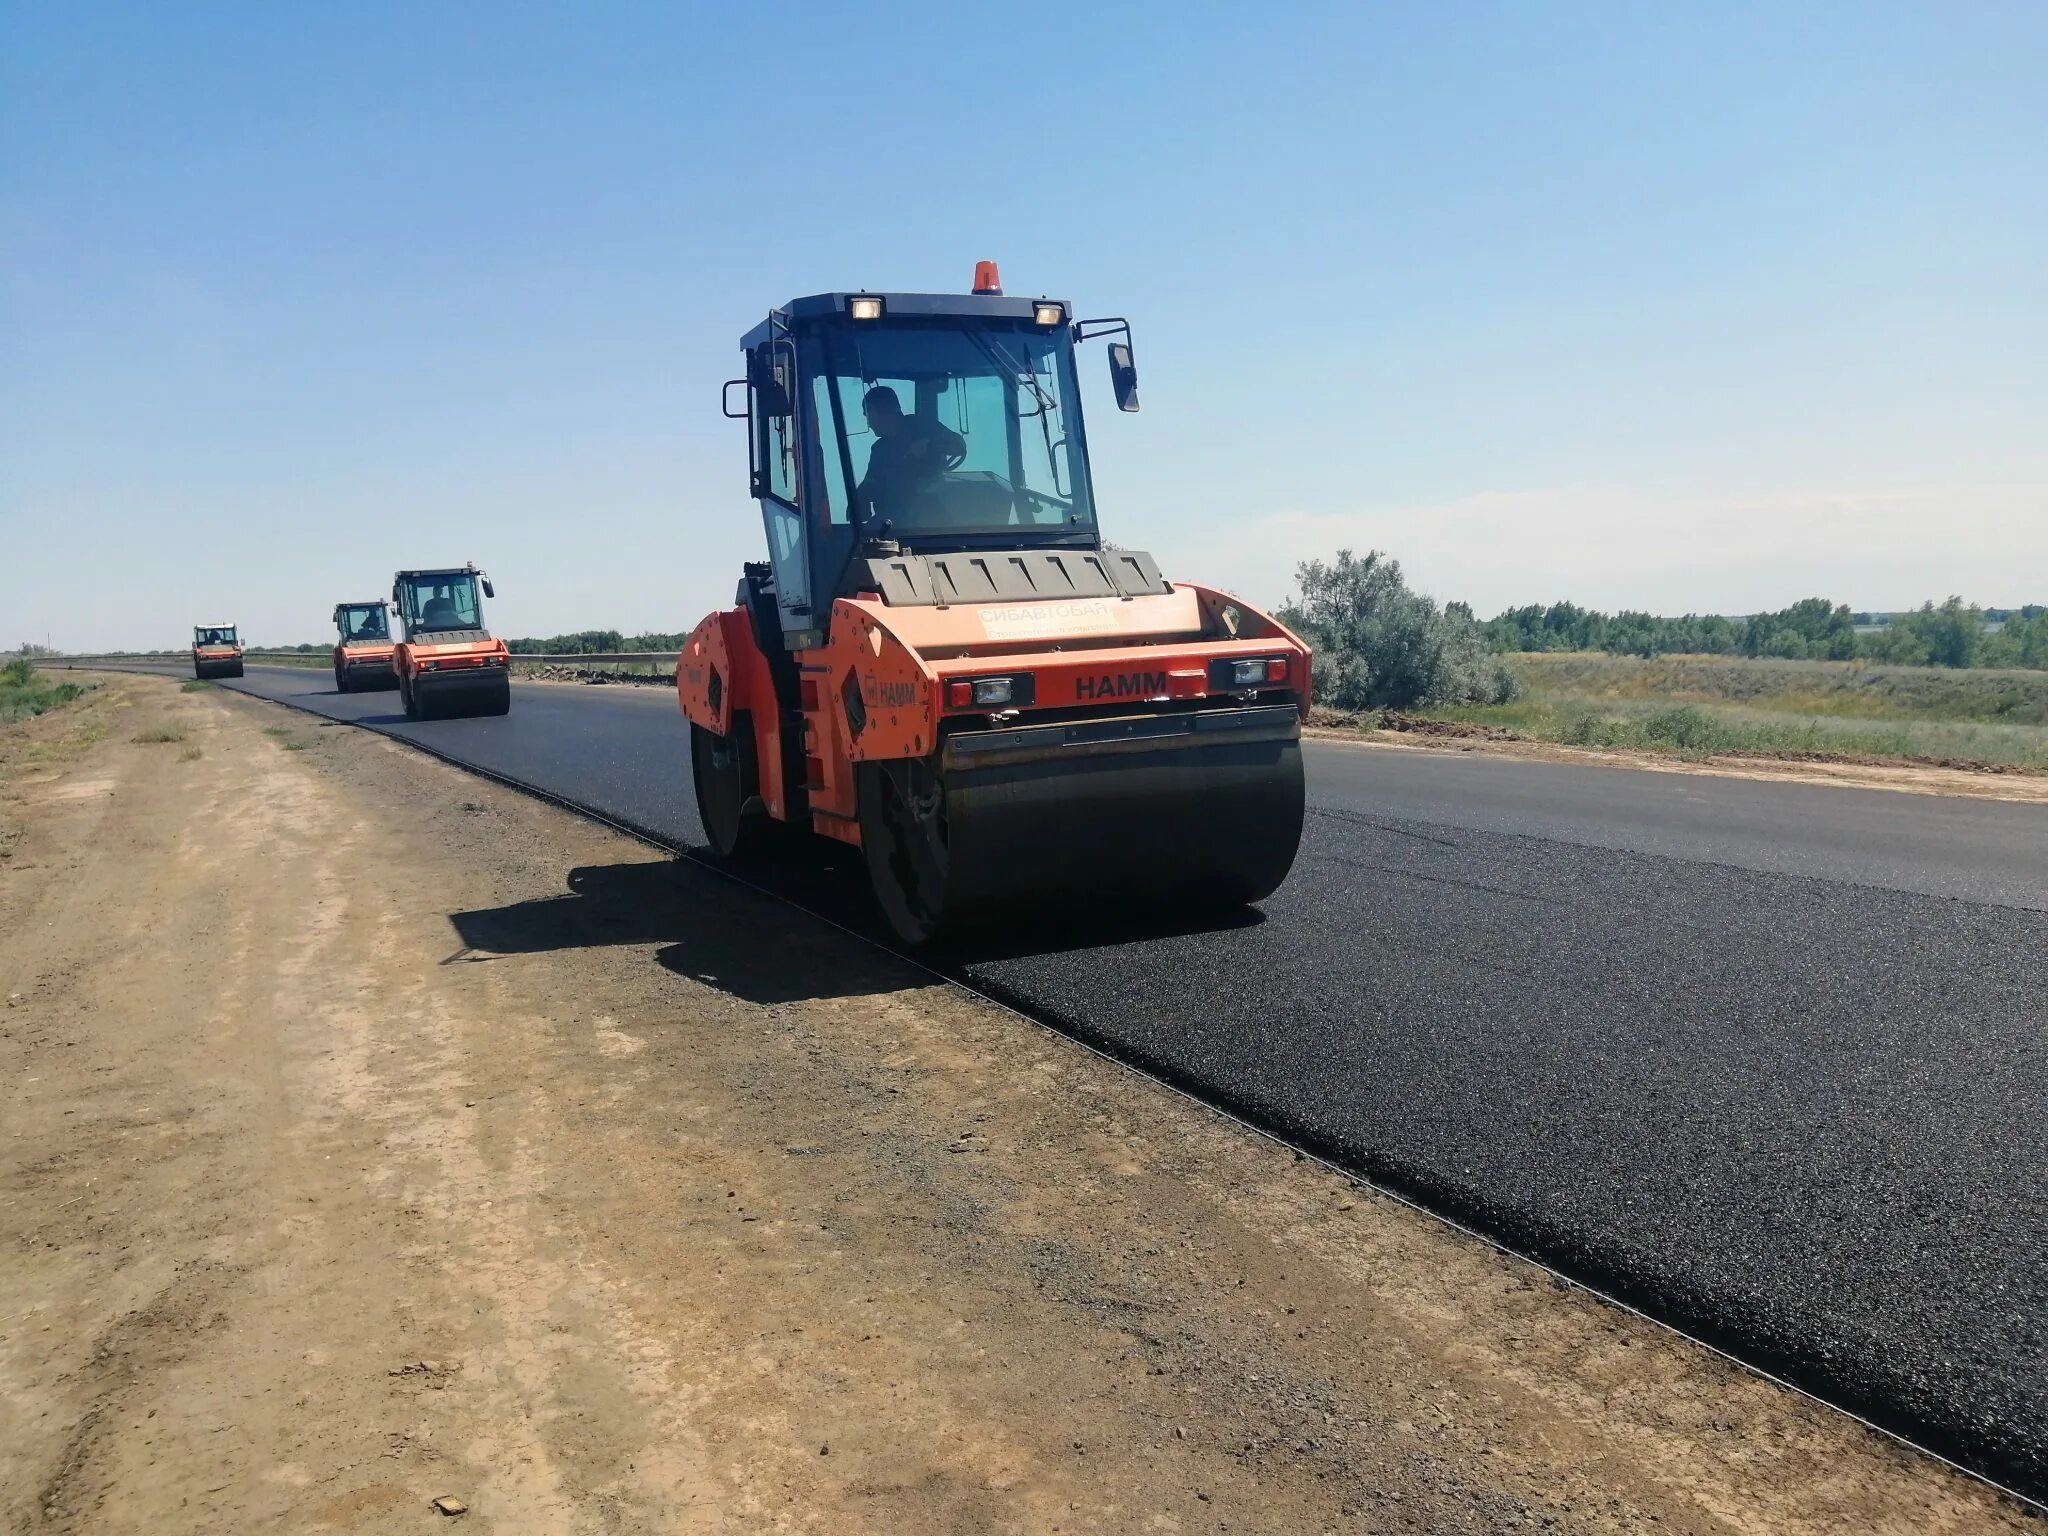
x,y
1638,309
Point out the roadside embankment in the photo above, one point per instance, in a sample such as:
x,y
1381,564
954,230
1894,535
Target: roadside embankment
x,y
1928,730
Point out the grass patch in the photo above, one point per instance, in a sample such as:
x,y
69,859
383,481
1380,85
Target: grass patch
x,y
277,732
25,692
1842,689
195,685
1705,706
156,734
190,755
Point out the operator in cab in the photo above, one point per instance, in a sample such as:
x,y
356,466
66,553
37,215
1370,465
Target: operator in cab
x,y
909,454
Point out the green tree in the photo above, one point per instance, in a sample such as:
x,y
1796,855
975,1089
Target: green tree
x,y
1812,627
583,642
1898,644
1379,645
2025,641
1951,635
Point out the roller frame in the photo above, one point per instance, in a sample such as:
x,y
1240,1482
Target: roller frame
x,y
1189,796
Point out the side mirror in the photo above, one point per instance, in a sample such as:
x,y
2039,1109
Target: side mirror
x,y
489,590
725,399
1123,376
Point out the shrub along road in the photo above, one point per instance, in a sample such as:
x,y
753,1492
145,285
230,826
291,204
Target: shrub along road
x,y
1766,1060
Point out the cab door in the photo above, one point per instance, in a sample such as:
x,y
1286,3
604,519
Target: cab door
x,y
774,402
401,593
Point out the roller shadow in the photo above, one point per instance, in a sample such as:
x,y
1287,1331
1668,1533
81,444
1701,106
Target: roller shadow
x,y
746,943
711,930
831,880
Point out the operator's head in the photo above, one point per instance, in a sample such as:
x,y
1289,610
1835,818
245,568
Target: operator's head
x,y
883,410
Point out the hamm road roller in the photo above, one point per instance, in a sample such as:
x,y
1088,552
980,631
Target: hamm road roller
x,y
216,651
364,656
943,665
447,662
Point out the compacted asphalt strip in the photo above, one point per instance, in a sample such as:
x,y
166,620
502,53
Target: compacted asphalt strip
x,y
1768,1060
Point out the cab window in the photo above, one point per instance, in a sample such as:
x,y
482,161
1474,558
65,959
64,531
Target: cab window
x,y
775,436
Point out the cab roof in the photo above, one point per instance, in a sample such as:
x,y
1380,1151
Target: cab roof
x,y
449,570
900,306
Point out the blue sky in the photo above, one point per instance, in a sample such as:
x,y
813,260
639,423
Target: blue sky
x,y
1680,307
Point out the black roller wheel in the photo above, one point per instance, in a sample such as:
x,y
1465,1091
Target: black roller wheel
x,y
409,698
1140,836
500,701
340,680
904,836
726,776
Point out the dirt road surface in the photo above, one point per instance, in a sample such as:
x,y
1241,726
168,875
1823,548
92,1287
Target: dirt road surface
x,y
373,1135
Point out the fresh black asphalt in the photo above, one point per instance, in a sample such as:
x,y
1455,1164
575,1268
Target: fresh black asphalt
x,y
1767,1060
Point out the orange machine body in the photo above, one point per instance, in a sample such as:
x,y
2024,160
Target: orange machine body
x,y
216,657
356,653
897,682
363,659
445,660
453,676
416,658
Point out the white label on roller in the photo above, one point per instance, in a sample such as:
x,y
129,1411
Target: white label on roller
x,y
1045,621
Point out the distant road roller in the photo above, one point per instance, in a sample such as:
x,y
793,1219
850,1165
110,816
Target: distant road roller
x,y
942,664
216,651
364,656
447,662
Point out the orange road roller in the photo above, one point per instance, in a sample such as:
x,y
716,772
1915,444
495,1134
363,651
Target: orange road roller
x,y
216,651
941,662
364,656
447,662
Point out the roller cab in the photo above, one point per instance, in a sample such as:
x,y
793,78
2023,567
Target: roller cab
x,y
942,663
364,655
446,661
216,651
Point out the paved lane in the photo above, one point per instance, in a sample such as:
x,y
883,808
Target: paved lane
x,y
1769,1060
1982,850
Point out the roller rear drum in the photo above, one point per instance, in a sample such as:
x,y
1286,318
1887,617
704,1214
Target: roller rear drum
x,y
950,851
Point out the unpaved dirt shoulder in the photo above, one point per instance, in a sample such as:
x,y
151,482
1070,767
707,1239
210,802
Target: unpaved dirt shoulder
x,y
1904,778
374,1134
